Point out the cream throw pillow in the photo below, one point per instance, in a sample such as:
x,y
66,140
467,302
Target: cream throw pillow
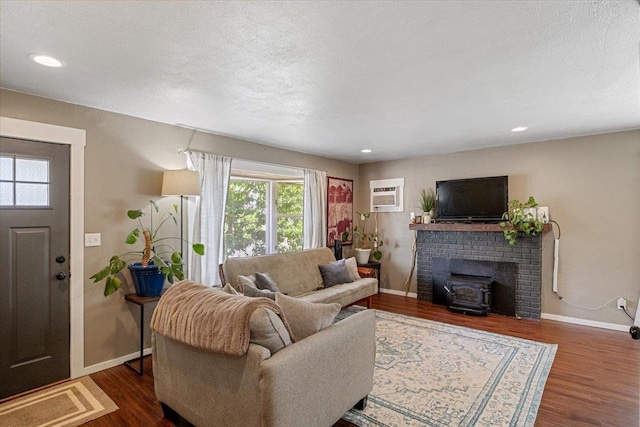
x,y
352,268
306,318
268,330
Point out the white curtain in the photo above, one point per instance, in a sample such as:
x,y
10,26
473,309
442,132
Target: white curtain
x,y
315,209
208,227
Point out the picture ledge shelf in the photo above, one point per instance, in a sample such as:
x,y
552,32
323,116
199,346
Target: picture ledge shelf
x,y
460,226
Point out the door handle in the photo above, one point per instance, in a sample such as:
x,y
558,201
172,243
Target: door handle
x,y
60,259
61,276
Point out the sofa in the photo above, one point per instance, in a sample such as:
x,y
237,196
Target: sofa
x,y
311,382
298,275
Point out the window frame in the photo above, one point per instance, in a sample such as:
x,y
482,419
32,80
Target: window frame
x,y
271,215
276,215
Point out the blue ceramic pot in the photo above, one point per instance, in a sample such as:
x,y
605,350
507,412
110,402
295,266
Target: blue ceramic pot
x,y
148,280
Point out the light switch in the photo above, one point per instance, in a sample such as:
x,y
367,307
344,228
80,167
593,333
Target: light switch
x,y
91,239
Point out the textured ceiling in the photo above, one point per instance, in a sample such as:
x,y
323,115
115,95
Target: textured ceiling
x,y
331,78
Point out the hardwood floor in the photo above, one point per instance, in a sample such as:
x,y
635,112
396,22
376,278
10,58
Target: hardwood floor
x,y
594,380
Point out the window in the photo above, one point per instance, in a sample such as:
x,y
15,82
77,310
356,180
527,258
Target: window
x,y
24,182
263,216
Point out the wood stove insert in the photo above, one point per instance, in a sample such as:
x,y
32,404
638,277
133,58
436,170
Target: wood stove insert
x,y
469,294
501,276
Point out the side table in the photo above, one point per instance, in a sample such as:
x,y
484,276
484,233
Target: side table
x,y
141,301
376,266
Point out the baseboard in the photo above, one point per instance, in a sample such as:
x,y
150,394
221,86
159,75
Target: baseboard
x,y
593,323
400,293
88,370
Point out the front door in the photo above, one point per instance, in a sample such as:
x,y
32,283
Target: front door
x,y
34,264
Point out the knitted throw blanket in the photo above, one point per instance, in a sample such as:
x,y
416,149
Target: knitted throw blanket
x,y
207,318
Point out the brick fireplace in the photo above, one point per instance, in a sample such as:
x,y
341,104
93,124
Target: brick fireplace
x,y
482,242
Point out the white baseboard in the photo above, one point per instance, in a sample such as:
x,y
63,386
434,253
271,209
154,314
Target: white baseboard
x,y
593,323
113,362
400,293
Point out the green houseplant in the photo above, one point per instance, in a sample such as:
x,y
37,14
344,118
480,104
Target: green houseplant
x,y
157,259
366,244
427,203
521,217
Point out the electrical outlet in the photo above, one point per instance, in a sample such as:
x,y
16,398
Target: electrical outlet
x,y
622,304
543,214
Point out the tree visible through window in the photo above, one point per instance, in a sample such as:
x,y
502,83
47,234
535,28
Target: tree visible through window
x,y
263,216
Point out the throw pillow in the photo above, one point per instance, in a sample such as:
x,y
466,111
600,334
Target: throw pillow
x,y
352,267
253,292
247,281
268,330
335,273
265,282
306,318
229,289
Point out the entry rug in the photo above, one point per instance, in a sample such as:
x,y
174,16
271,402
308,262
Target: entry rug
x,y
433,374
65,405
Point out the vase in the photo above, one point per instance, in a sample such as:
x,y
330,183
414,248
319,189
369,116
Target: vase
x,y
148,281
362,255
426,218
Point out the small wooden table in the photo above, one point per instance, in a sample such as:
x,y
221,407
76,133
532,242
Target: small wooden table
x,y
376,266
141,301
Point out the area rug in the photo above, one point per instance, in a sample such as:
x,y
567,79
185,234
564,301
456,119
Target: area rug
x,y
433,374
64,405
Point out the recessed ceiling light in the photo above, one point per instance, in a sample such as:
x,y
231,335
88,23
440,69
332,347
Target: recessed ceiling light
x,y
519,129
366,150
47,61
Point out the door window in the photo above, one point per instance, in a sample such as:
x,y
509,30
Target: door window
x,y
24,182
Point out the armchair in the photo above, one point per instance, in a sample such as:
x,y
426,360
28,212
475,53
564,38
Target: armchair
x,y
312,382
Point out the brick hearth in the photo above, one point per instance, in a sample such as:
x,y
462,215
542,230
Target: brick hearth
x,y
487,246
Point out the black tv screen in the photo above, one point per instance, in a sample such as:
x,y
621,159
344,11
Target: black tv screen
x,y
475,199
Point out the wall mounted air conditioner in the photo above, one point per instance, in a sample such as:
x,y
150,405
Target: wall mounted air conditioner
x,y
386,195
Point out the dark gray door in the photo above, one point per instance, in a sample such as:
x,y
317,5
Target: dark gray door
x,y
34,264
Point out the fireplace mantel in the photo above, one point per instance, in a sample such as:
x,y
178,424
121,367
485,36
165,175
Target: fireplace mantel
x,y
460,226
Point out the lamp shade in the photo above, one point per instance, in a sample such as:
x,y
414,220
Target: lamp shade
x,y
180,183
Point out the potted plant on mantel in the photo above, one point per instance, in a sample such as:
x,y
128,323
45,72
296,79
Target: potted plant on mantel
x,y
363,241
521,217
427,203
158,260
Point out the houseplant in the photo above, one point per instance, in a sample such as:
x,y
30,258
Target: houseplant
x,y
363,241
427,203
157,259
521,217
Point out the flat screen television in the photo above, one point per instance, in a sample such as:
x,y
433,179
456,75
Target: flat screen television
x,y
475,199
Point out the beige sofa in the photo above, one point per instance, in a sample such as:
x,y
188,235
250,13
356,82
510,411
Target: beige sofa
x,y
311,382
298,275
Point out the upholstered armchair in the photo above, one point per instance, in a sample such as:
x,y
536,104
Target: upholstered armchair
x,y
311,382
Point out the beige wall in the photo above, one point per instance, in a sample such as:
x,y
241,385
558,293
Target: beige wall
x,y
591,184
124,160
592,187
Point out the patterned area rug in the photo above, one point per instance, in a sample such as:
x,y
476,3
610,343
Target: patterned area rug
x,y
65,405
433,374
